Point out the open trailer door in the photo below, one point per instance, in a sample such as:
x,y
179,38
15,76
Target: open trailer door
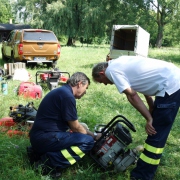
x,y
129,40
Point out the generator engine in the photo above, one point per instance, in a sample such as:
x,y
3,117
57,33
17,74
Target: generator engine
x,y
22,113
111,150
51,79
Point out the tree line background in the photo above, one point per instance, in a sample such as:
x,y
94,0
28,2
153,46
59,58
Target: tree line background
x,y
91,21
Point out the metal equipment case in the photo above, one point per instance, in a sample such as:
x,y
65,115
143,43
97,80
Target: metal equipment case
x,y
128,40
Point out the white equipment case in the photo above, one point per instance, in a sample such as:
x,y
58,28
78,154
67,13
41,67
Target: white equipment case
x,y
11,67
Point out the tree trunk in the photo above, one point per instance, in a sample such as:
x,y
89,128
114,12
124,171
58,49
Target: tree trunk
x,y
159,36
161,14
70,42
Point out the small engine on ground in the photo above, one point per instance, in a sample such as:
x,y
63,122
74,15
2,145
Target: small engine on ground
x,y
20,121
23,113
51,79
110,151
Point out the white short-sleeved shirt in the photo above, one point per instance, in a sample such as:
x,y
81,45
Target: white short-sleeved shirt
x,y
145,75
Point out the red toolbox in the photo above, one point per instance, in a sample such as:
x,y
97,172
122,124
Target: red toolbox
x,y
30,90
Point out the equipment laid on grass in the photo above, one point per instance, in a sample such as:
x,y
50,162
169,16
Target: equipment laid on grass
x,y
11,67
7,122
22,113
51,79
110,151
4,88
20,119
29,90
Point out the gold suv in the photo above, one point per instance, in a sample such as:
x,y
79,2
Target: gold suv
x,y
31,46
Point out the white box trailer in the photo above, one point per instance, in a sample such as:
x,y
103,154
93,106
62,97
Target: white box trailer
x,y
128,40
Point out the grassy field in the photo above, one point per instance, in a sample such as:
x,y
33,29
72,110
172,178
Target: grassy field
x,y
99,105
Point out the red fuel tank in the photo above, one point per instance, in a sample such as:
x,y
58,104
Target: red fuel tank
x,y
30,90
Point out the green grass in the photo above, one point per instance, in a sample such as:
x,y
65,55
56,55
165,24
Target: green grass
x,y
99,105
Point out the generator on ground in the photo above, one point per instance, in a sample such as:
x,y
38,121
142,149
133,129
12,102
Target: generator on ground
x,y
29,90
23,113
51,79
20,119
111,150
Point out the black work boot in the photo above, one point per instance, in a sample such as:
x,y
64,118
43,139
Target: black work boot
x,y
53,173
32,156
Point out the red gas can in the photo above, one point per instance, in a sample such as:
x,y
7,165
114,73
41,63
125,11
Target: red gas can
x,y
30,90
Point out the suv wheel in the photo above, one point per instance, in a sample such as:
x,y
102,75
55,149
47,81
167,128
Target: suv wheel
x,y
12,58
54,64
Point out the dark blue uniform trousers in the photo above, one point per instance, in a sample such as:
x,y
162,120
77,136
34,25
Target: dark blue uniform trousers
x,y
61,149
164,113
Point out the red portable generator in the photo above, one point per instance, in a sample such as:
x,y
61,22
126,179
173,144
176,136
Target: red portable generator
x,y
51,79
110,151
29,90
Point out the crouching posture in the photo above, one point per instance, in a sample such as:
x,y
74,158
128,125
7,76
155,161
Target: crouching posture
x,y
57,113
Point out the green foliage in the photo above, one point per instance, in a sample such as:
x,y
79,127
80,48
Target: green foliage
x,y
92,20
154,16
5,13
99,105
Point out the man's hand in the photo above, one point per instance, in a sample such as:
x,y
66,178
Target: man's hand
x,y
98,136
149,128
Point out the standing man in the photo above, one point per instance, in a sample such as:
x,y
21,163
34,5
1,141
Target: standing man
x,y
151,77
57,134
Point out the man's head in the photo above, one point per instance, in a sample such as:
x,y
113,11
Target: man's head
x,y
79,83
98,73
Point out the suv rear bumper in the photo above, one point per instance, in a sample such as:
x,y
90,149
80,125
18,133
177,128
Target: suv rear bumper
x,y
40,61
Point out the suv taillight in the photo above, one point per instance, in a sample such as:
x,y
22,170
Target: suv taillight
x,y
20,49
59,49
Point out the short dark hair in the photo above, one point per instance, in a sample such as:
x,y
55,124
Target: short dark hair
x,y
77,77
98,68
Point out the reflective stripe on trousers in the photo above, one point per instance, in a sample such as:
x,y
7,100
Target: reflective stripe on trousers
x,y
164,113
69,157
151,149
66,149
64,158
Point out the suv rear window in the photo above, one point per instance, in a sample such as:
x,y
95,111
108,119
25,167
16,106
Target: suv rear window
x,y
39,36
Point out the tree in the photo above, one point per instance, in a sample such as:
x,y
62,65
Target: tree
x,y
5,13
85,19
172,32
91,19
165,10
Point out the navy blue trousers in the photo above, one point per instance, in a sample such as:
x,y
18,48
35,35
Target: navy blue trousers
x,y
164,113
61,149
